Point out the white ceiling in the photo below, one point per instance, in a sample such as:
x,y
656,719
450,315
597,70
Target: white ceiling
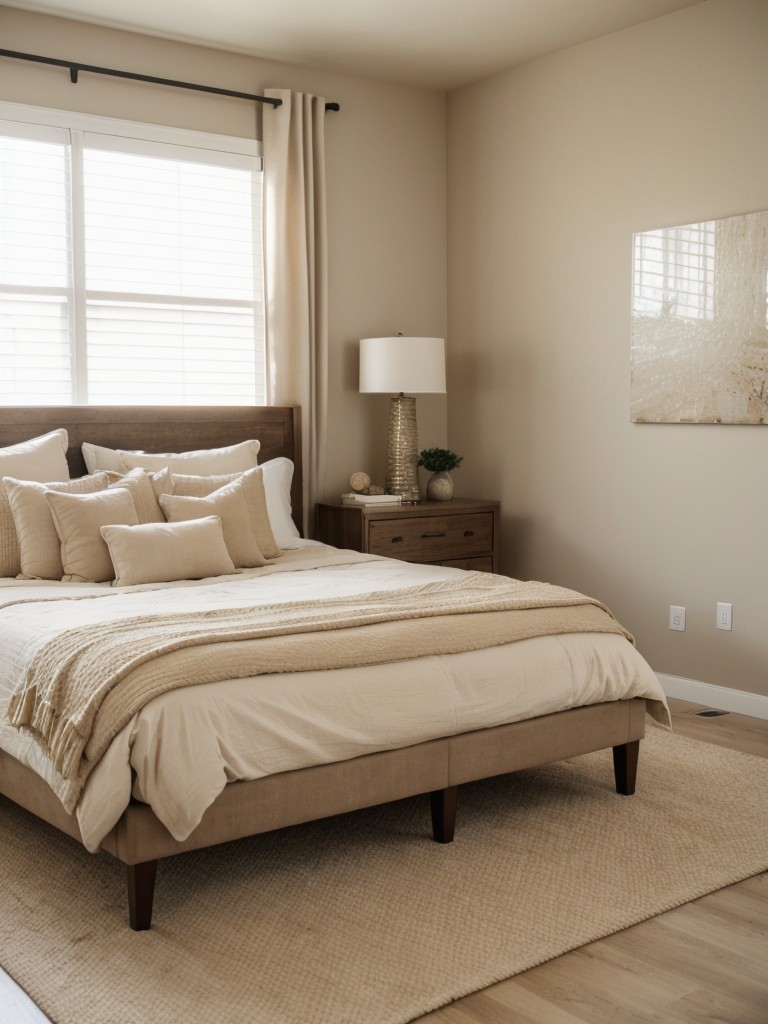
x,y
436,43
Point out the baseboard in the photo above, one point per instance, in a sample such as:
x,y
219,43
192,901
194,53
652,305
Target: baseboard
x,y
722,697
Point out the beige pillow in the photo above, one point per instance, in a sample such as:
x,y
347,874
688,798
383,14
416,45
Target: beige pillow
x,y
139,483
236,458
230,505
39,544
164,552
78,519
255,496
232,459
41,459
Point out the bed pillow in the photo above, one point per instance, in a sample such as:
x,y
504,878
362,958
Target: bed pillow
x,y
278,474
41,459
39,544
255,496
234,458
100,459
78,519
230,505
139,483
164,552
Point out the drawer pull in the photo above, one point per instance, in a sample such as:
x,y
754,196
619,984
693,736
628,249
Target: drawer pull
x,y
425,536
397,540
469,533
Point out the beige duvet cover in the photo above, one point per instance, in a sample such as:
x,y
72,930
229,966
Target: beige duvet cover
x,y
186,744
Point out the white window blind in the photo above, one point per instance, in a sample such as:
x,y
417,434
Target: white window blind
x,y
674,272
130,271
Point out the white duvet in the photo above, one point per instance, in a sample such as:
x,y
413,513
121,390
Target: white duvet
x,y
182,748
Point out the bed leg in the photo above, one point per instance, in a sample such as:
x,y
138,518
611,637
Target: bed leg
x,y
141,892
444,813
625,766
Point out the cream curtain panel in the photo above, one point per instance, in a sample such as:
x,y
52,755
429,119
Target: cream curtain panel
x,y
296,274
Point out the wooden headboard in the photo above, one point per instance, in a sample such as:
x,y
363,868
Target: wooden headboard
x,y
163,429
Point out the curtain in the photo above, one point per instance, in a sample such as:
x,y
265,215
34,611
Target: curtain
x,y
295,273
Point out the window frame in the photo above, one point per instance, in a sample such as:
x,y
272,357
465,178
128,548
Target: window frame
x,y
33,121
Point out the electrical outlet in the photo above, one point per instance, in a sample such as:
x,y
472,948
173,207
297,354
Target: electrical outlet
x,y
724,614
676,617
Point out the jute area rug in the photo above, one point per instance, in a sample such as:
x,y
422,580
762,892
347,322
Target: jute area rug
x,y
362,919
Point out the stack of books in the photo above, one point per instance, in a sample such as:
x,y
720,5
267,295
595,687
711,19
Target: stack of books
x,y
371,499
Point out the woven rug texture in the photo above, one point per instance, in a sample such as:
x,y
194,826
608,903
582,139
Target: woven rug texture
x,y
362,919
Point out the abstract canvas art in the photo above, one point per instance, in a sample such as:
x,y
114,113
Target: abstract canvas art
x,y
700,322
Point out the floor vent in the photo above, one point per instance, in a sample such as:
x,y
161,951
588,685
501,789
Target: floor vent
x,y
710,713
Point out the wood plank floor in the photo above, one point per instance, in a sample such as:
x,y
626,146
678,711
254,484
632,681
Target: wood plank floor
x,y
705,961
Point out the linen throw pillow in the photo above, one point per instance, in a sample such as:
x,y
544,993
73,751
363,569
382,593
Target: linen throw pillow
x,y
230,505
255,496
39,544
41,459
164,552
139,483
78,519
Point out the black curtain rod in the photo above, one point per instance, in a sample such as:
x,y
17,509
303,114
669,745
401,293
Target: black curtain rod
x,y
75,68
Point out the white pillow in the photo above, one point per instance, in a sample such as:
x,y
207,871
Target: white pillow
x,y
98,458
78,519
164,552
278,474
255,495
230,505
232,459
39,544
42,459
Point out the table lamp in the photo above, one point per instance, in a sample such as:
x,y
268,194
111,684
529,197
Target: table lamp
x,y
413,365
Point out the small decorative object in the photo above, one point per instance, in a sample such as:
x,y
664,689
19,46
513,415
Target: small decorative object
x,y
440,462
359,481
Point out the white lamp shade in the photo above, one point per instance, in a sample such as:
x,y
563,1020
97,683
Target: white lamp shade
x,y
394,365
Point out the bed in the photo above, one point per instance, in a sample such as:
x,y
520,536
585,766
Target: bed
x,y
454,714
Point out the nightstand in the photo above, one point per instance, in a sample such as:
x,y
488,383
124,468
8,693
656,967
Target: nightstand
x,y
463,533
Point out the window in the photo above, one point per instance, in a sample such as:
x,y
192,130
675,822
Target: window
x,y
130,265
674,272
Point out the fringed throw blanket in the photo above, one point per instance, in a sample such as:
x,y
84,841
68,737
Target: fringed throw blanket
x,y
84,684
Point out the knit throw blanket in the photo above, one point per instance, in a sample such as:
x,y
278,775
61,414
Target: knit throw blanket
x,y
85,684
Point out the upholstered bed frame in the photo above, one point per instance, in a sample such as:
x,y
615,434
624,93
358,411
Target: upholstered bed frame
x,y
437,767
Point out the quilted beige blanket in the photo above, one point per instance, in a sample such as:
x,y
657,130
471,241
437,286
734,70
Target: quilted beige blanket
x,y
84,684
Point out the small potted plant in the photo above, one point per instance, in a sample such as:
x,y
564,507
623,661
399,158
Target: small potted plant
x,y
440,462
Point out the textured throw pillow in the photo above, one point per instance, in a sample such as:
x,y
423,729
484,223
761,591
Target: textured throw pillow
x,y
278,475
230,505
41,459
164,552
39,544
255,496
78,519
139,483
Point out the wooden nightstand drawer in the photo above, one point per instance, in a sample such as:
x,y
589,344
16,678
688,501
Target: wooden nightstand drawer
x,y
463,533
432,538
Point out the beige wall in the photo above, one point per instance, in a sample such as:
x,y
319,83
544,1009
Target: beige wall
x,y
552,167
386,189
